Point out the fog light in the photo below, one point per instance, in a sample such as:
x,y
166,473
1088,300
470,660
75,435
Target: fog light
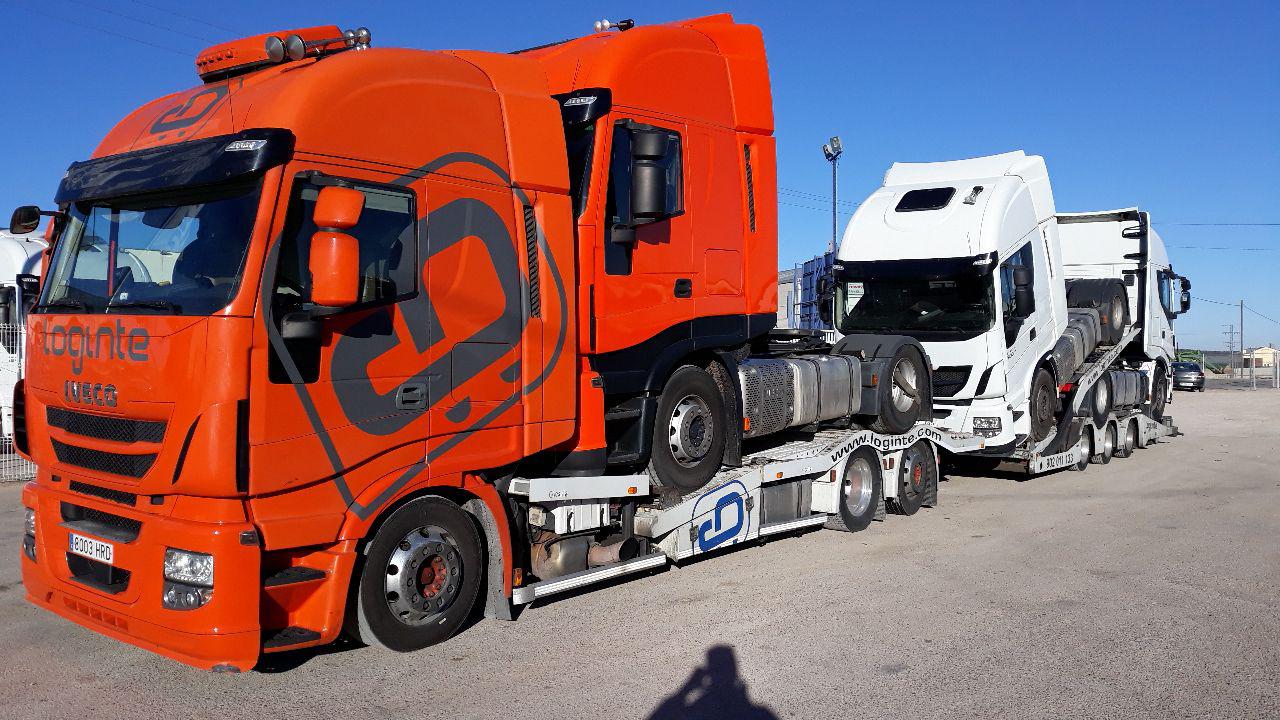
x,y
986,426
190,568
180,596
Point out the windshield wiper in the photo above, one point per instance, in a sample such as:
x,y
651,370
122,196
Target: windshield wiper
x,y
64,303
152,304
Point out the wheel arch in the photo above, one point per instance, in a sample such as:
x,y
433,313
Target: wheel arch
x,y
483,504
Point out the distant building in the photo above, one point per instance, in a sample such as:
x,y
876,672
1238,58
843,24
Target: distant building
x,y
1263,357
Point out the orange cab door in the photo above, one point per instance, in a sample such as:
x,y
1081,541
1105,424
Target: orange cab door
x,y
646,285
341,399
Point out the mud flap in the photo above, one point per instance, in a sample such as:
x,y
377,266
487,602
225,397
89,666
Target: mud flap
x,y
496,603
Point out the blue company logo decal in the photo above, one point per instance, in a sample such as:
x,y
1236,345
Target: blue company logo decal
x,y
728,519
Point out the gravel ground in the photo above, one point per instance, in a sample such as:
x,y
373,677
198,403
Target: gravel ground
x,y
1144,588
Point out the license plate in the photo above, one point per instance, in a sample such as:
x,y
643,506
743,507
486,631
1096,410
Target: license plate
x,y
92,549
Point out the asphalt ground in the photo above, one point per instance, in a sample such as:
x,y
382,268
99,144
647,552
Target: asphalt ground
x,y
1146,588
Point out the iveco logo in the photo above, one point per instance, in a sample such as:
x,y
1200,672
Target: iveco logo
x,y
85,393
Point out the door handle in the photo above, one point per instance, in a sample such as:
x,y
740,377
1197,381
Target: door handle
x,y
684,288
412,396
1033,333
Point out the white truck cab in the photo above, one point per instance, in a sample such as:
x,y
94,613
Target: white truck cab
x,y
1122,244
965,257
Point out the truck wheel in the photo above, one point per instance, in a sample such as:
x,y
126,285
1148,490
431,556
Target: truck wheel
x,y
1044,405
860,492
421,576
1130,439
1100,400
688,437
1084,449
906,397
915,473
1159,390
1108,444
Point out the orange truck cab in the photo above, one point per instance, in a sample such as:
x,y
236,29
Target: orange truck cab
x,y
303,324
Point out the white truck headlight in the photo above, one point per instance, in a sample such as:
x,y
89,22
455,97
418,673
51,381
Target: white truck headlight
x,y
191,568
986,426
30,522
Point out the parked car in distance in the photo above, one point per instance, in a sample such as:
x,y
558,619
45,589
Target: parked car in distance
x,y
1188,376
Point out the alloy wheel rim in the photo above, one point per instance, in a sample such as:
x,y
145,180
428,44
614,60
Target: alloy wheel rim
x,y
690,430
423,575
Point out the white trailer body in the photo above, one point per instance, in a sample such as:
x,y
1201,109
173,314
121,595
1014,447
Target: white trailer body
x,y
791,483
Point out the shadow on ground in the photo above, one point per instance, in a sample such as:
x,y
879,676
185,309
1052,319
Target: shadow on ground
x,y
713,690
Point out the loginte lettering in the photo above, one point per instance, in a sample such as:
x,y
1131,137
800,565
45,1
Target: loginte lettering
x,y
106,343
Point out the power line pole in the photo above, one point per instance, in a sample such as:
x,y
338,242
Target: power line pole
x,y
1231,346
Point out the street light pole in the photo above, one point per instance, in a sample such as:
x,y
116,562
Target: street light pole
x,y
832,149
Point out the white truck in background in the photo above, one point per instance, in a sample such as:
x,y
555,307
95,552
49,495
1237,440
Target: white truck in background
x,y
20,256
1122,244
966,258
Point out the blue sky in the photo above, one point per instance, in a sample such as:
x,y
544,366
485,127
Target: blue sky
x,y
1174,107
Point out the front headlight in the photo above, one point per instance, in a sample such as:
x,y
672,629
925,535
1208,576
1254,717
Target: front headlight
x,y
986,426
191,568
29,534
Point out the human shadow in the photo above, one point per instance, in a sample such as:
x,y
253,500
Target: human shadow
x,y
713,690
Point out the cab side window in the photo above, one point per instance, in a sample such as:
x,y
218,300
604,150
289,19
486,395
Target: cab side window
x,y
1021,258
386,233
388,258
660,150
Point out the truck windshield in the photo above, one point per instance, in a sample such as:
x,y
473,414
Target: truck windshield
x,y
940,299
171,253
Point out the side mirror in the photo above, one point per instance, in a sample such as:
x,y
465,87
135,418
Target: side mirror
x,y
335,256
648,176
25,219
1024,296
826,299
1186,296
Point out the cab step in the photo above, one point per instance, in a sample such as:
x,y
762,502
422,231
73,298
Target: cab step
x,y
292,576
276,638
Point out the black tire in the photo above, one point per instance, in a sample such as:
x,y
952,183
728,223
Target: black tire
x,y
1045,405
1109,298
1101,400
1159,392
688,432
1108,444
905,393
437,542
917,472
1085,445
861,491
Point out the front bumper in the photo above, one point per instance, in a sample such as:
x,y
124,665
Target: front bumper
x,y
224,634
959,418
1188,382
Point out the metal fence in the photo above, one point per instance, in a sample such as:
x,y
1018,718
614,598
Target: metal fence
x,y
12,465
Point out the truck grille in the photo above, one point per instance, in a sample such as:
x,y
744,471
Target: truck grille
x,y
104,427
98,522
947,381
115,496
134,466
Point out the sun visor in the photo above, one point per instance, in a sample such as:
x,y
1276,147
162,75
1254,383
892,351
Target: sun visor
x,y
180,165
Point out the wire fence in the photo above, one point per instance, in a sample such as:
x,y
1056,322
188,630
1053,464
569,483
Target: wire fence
x,y
13,467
